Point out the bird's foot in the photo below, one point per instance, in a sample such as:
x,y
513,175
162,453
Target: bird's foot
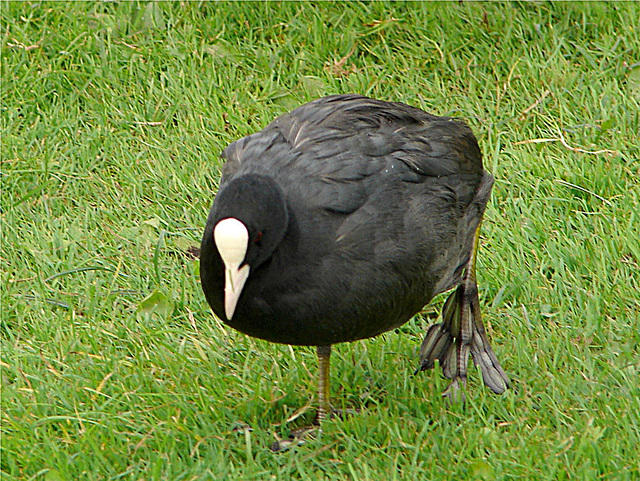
x,y
343,413
460,333
298,436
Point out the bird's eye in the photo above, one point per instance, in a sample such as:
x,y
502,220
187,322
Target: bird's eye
x,y
257,238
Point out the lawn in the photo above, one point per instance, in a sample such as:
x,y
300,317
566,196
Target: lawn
x,y
113,116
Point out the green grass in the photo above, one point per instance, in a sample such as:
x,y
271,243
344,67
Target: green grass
x,y
113,115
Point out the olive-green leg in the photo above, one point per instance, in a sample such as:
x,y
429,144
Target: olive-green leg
x,y
298,436
324,399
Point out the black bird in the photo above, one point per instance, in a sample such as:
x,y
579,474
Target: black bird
x,y
341,220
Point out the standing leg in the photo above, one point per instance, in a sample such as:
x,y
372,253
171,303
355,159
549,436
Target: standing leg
x,y
299,435
324,402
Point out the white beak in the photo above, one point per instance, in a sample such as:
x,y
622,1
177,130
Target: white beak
x,y
232,239
234,280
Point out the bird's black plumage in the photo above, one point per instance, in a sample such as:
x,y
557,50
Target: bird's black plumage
x,y
340,221
380,203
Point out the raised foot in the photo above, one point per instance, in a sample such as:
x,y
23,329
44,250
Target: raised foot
x,y
460,333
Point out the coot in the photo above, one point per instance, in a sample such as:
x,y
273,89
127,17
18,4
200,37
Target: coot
x,y
341,220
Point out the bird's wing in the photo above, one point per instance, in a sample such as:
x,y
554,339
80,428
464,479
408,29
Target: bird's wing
x,y
331,146
427,144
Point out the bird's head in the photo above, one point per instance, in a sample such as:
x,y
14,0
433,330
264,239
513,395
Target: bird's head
x,y
248,221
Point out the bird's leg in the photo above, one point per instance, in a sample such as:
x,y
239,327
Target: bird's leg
x,y
461,332
298,436
324,403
